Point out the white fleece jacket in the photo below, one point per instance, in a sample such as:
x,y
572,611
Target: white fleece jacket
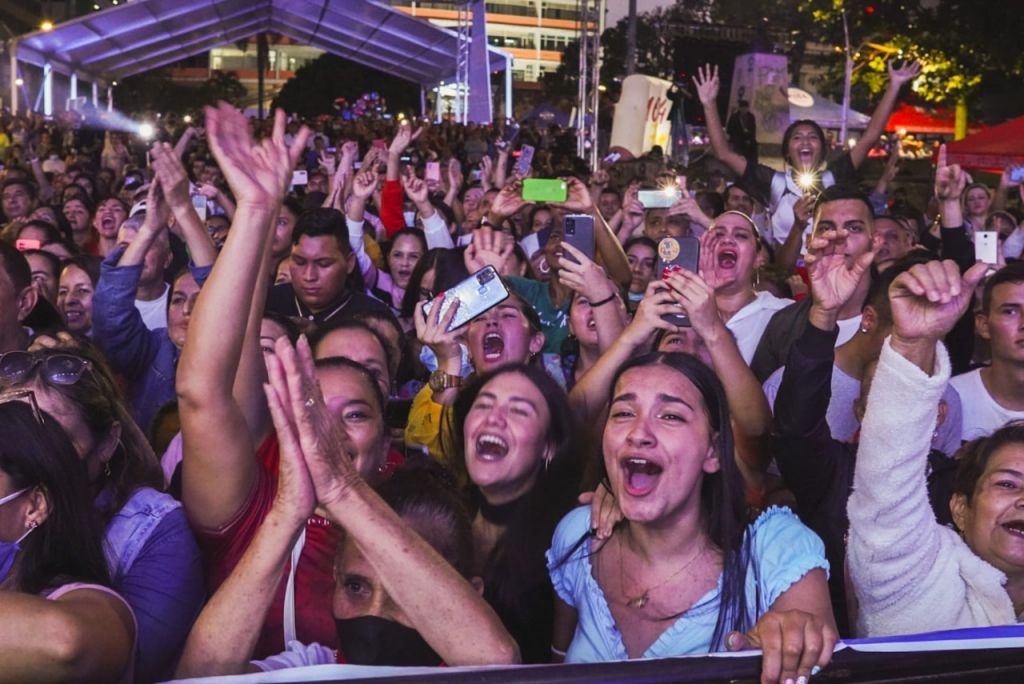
x,y
911,574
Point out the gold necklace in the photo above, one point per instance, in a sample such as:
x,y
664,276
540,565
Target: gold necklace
x,y
644,597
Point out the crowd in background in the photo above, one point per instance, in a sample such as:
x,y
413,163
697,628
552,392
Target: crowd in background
x,y
244,426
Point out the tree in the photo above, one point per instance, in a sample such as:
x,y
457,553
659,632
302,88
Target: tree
x,y
155,91
957,42
316,85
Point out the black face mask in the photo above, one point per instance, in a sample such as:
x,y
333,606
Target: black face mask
x,y
370,640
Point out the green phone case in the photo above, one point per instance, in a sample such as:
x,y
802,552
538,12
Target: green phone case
x,y
545,190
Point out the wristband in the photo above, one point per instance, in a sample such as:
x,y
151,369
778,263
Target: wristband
x,y
594,305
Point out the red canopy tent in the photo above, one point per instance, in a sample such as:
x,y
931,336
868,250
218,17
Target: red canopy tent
x,y
909,119
992,149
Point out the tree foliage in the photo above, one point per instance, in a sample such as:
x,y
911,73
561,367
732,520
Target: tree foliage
x,y
316,85
155,91
957,42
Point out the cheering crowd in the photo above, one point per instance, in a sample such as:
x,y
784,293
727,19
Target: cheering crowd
x,y
276,394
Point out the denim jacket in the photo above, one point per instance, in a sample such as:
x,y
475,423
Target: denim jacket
x,y
155,565
146,358
129,529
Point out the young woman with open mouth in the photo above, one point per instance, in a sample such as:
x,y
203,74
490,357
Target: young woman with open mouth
x,y
684,573
514,432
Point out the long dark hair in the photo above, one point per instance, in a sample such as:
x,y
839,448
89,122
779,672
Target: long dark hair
x,y
515,574
723,514
95,396
36,452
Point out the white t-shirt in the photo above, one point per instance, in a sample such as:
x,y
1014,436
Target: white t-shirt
x,y
154,312
982,415
842,422
848,328
748,324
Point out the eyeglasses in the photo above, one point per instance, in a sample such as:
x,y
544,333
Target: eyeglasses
x,y
59,369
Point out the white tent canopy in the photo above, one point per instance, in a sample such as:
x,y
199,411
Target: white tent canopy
x,y
146,34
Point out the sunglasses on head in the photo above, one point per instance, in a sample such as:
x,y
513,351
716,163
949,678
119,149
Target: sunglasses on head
x,y
59,369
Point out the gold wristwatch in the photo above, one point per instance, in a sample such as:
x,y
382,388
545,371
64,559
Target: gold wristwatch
x,y
441,381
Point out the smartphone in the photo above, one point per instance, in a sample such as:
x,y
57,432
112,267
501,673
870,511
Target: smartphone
x,y
332,150
199,204
474,176
510,134
405,158
986,246
477,294
683,252
525,161
578,231
545,190
659,199
300,177
433,171
1017,174
23,245
612,158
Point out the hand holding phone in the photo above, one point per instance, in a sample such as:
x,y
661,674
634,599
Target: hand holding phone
x,y
678,253
477,294
300,177
1017,174
433,172
659,199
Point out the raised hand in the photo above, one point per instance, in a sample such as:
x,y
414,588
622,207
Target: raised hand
x,y
298,407
432,330
365,182
490,247
486,171
833,281
258,173
296,495
706,81
577,198
403,138
168,168
697,299
928,299
508,201
950,179
415,188
907,71
687,206
583,275
803,208
350,150
327,163
657,302
455,176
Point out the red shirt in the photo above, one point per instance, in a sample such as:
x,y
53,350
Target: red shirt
x,y
314,579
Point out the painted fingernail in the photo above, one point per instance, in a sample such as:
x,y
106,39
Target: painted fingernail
x,y
789,680
815,670
801,680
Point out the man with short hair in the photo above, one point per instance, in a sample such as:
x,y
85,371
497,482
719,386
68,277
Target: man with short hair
x,y
18,199
839,207
994,395
17,298
321,263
